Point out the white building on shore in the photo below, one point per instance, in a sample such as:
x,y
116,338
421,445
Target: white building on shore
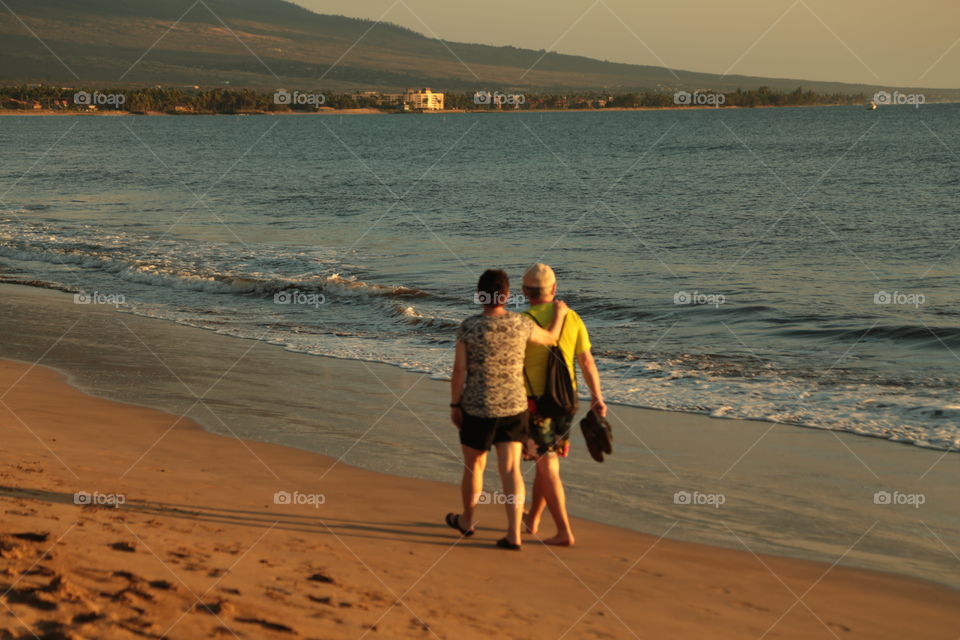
x,y
423,100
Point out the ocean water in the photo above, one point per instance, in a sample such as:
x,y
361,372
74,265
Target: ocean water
x,y
796,265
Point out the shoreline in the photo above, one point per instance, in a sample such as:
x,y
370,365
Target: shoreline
x,y
705,414
198,547
817,486
372,111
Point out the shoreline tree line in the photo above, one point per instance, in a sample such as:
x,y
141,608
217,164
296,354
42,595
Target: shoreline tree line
x,y
174,100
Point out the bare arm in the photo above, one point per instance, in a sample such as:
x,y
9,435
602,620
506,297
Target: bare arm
x,y
456,383
589,368
548,337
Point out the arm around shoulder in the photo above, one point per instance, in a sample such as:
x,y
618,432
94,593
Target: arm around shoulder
x,y
549,336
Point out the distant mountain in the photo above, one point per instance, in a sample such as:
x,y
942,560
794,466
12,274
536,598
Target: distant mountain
x,y
272,43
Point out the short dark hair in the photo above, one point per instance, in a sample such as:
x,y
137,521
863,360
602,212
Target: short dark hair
x,y
493,287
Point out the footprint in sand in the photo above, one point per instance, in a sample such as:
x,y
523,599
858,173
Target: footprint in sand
x,y
321,577
216,608
32,597
266,624
162,585
31,536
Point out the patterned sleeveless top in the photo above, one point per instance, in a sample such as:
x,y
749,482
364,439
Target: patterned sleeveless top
x,y
495,350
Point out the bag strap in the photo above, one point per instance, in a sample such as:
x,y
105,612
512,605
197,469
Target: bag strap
x,y
562,325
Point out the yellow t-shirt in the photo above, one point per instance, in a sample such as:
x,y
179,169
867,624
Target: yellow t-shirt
x,y
573,341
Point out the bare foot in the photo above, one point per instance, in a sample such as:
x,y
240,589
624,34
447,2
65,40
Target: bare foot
x,y
529,524
561,540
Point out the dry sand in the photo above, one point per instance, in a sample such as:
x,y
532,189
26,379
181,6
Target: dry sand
x,y
200,549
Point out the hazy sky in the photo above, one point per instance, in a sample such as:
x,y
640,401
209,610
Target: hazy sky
x,y
886,42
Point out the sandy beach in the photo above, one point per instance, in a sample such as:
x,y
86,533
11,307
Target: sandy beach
x,y
200,548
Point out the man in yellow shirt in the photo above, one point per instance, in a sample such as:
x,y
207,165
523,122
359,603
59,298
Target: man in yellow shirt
x,y
550,438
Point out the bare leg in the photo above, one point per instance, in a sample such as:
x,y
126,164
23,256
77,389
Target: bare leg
x,y
508,461
538,503
548,468
474,462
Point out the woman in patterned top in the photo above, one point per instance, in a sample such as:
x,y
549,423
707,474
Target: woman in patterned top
x,y
488,402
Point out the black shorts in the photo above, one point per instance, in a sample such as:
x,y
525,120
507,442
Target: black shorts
x,y
482,433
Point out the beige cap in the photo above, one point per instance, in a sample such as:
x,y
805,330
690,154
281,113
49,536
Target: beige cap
x,y
539,275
